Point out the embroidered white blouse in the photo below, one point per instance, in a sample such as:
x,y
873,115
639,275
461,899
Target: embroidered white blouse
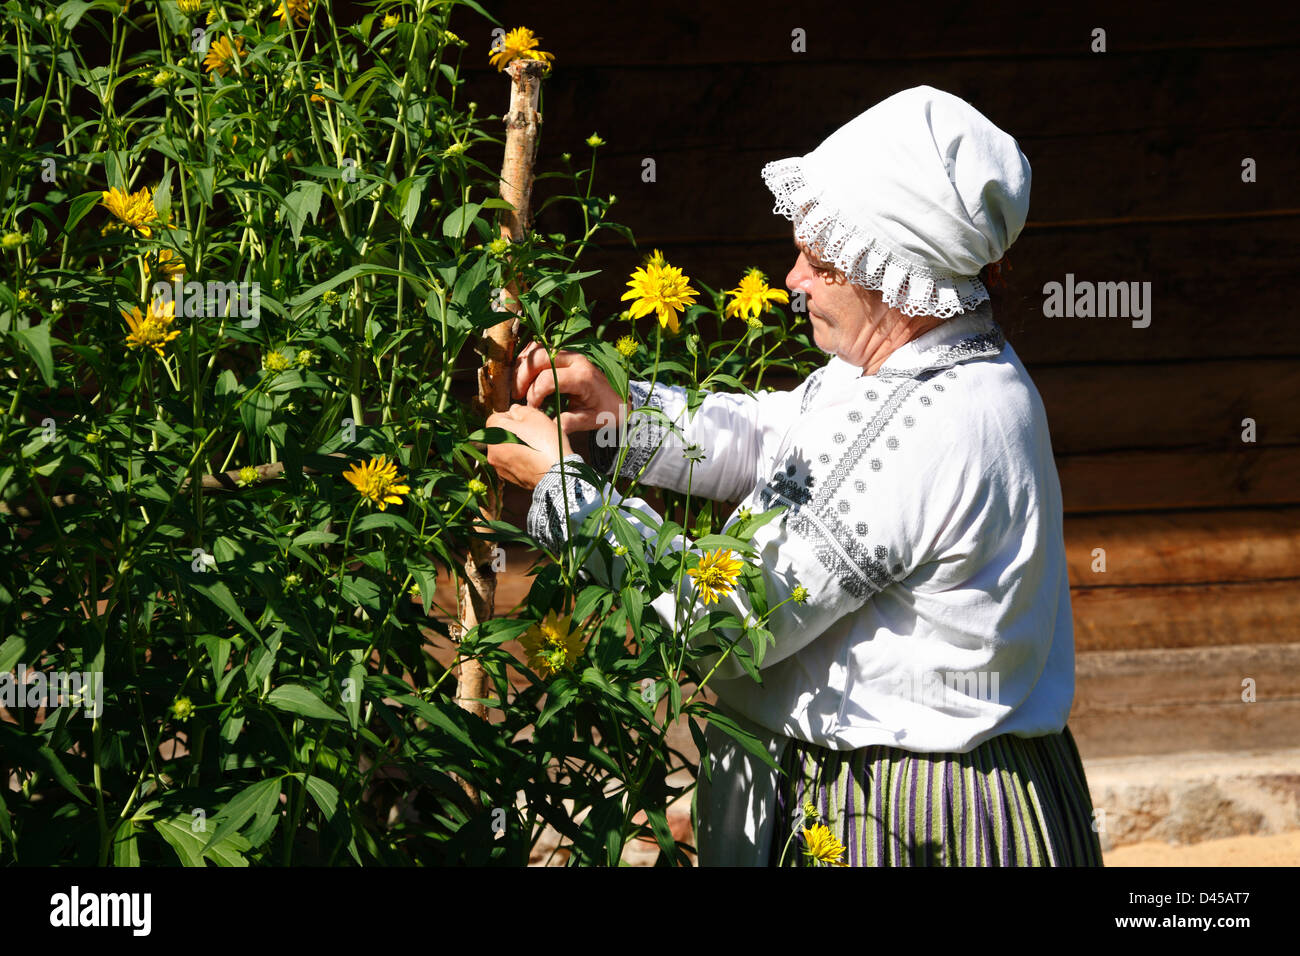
x,y
923,516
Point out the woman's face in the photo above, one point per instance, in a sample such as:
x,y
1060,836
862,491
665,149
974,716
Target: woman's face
x,y
842,314
847,320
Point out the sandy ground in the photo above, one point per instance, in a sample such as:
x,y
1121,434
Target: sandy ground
x,y
1282,849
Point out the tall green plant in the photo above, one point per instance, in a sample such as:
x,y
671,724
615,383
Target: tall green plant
x,y
270,243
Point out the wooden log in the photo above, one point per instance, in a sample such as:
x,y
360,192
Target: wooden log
x,y
795,104
683,32
1149,174
1184,547
1094,408
1171,256
1186,699
1160,480
1179,615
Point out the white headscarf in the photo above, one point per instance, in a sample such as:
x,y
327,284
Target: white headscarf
x,y
912,198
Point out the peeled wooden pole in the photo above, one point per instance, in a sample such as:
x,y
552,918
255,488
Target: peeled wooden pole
x,y
476,596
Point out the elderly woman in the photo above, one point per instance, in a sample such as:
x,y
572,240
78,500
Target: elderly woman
x,y
917,698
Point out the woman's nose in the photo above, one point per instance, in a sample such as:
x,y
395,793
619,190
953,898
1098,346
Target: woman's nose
x,y
798,274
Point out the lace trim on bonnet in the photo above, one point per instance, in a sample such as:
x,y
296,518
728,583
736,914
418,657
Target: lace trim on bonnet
x,y
911,288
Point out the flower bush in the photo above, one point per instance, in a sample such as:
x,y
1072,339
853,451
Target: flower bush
x,y
244,259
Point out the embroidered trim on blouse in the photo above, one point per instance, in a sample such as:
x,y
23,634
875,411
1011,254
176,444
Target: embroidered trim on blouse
x,y
983,344
647,433
811,388
860,568
549,512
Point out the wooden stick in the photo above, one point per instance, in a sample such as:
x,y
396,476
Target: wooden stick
x,y
476,596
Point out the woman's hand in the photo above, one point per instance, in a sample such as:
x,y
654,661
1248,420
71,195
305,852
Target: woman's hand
x,y
588,391
525,464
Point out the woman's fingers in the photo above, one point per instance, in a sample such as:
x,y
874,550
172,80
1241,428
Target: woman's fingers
x,y
574,380
583,420
532,362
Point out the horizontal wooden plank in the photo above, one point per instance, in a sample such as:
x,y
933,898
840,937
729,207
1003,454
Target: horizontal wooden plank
x,y
789,108
1254,280
1133,681
1137,618
1150,174
1186,547
1156,481
584,32
1187,729
1186,700
1093,408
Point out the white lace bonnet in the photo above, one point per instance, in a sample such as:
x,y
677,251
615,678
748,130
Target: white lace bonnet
x,y
911,198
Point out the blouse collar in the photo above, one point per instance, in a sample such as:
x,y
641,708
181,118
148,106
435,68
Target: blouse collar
x,y
971,335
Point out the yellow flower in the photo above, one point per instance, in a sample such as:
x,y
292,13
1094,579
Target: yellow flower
x,y
275,361
799,594
378,480
182,708
151,330
167,263
550,645
476,487
391,21
189,7
134,209
519,43
316,97
627,346
300,10
753,297
304,357
660,288
822,847
222,55
594,141
12,240
716,574
247,475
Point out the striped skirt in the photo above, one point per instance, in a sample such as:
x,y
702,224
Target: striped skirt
x,y
1011,801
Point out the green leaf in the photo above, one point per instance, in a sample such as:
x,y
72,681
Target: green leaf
x,y
262,800
743,737
383,519
187,844
301,700
218,592
314,537
352,703
80,208
324,795
302,202
126,852
36,340
458,222
204,179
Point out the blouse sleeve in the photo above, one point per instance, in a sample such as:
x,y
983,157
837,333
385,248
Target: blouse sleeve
x,y
720,446
782,555
855,520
